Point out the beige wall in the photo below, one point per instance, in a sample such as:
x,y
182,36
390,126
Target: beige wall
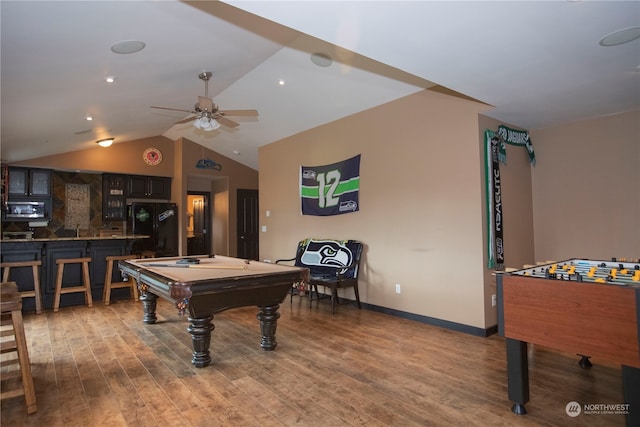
x,y
517,215
586,189
122,157
421,203
223,186
517,201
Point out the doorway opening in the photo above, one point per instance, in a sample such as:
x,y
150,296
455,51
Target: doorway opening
x,y
198,223
247,215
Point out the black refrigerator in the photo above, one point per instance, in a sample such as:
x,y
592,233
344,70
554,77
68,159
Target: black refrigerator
x,y
158,220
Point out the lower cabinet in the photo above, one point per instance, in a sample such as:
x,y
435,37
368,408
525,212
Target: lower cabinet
x,y
99,250
23,276
72,272
50,251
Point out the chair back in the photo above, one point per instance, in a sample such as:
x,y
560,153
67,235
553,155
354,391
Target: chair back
x,y
329,256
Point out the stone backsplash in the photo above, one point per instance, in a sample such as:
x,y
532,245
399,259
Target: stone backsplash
x,y
56,227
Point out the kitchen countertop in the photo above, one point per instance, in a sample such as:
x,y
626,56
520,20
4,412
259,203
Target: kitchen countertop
x,y
58,239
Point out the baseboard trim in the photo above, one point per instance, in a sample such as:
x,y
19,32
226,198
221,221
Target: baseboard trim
x,y
454,326
446,324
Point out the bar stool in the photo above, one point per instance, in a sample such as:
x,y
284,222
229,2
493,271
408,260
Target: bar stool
x,y
35,268
147,254
11,314
86,287
109,284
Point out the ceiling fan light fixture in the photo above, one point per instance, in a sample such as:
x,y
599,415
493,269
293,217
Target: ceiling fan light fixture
x,y
214,124
207,124
105,142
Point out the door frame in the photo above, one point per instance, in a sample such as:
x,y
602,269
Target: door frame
x,y
208,220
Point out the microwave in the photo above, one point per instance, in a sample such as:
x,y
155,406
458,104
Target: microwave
x,y
25,210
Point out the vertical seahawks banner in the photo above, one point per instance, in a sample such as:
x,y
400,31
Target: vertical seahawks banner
x,y
330,189
495,152
494,200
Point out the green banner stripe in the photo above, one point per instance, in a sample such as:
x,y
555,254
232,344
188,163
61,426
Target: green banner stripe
x,y
309,192
348,186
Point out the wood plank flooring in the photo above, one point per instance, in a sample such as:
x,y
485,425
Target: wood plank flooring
x,y
102,366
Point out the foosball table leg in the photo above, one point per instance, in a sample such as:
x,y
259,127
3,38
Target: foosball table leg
x,y
584,362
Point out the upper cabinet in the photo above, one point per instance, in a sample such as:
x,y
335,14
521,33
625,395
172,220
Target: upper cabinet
x,y
114,202
149,187
25,182
116,188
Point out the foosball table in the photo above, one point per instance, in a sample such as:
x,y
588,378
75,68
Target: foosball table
x,y
587,307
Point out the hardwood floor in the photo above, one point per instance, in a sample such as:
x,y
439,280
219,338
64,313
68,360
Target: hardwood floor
x,y
102,366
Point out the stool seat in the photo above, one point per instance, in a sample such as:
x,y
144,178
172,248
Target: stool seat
x,y
35,271
11,314
109,284
86,281
147,254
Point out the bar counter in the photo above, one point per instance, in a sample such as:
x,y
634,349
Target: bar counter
x,y
48,250
58,239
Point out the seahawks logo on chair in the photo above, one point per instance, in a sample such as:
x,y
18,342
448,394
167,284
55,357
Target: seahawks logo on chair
x,y
326,253
331,263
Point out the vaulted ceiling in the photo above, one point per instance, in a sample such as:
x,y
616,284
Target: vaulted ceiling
x,y
539,64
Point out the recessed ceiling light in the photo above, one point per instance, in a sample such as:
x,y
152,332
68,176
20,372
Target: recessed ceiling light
x,y
281,82
321,60
236,152
110,79
621,36
89,117
128,46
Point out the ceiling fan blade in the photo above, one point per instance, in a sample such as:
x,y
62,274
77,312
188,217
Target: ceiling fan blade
x,y
205,103
239,112
188,119
172,109
224,121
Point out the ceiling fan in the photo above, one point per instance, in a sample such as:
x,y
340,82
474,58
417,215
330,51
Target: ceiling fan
x,y
207,116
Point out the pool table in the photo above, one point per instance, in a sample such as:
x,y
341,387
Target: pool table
x,y
206,285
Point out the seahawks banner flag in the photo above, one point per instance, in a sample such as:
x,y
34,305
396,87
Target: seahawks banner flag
x,y
494,201
330,189
514,137
496,153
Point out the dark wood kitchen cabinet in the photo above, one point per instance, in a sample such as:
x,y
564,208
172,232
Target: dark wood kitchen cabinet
x,y
25,182
114,197
149,187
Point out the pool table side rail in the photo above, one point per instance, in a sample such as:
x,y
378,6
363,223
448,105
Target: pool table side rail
x,y
175,290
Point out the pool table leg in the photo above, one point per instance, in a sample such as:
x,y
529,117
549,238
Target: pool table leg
x,y
149,302
268,317
200,329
